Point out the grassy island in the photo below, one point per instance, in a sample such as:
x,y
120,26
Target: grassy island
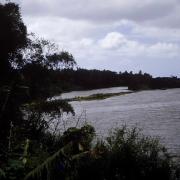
x,y
98,96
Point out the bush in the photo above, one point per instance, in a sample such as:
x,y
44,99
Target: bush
x,y
126,154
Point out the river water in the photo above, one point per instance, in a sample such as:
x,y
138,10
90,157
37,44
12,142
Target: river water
x,y
156,112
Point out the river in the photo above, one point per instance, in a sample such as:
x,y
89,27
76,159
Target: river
x,y
156,112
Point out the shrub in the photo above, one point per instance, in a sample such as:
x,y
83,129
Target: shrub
x,y
126,154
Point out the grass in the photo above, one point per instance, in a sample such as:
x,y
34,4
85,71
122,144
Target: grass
x,y
99,96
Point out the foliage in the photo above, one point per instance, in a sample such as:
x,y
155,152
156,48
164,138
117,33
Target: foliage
x,y
2,174
41,59
44,171
74,142
13,30
46,54
80,79
18,52
13,38
53,106
126,154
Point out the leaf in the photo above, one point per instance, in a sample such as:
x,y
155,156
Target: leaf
x,y
48,164
2,174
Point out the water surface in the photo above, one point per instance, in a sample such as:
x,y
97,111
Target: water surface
x,y
157,112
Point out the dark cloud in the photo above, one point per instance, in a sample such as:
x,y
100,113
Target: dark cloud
x,y
102,10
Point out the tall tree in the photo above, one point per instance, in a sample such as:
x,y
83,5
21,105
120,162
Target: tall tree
x,y
17,51
13,37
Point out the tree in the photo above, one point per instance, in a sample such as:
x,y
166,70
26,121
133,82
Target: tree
x,y
46,54
17,52
13,37
41,59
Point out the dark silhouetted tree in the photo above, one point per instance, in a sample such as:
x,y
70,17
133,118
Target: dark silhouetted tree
x,y
13,37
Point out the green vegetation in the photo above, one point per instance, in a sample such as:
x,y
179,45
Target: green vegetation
x,y
32,148
124,154
83,79
99,96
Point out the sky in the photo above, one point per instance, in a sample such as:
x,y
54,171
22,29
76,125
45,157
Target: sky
x,y
117,35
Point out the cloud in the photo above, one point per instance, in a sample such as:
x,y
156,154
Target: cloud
x,y
164,49
86,42
113,40
150,11
118,42
170,20
111,34
117,52
58,29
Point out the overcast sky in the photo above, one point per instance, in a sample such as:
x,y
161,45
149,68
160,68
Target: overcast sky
x,y
117,35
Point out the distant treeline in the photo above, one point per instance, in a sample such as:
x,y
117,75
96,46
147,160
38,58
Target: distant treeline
x,y
39,78
90,79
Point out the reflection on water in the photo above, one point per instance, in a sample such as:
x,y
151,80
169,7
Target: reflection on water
x,y
157,112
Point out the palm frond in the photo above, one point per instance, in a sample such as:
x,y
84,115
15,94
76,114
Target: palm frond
x,y
2,174
49,163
